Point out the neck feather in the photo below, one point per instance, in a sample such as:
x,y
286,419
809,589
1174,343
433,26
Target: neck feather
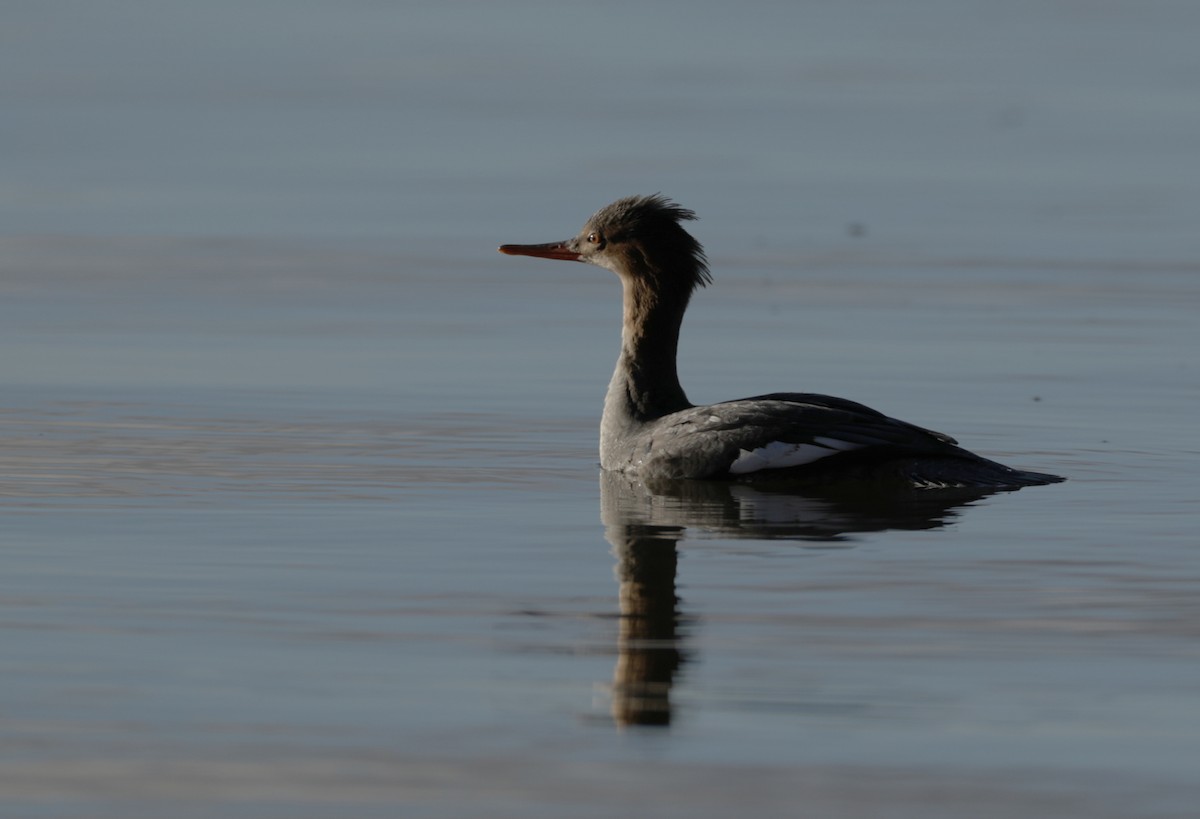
x,y
645,384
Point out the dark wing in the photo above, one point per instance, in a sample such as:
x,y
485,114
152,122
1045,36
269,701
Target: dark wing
x,y
790,431
819,409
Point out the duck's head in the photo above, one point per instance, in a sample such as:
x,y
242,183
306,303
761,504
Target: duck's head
x,y
639,238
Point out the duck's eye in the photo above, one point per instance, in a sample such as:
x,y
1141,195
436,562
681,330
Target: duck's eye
x,y
594,239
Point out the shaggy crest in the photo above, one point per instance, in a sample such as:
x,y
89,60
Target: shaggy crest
x,y
654,223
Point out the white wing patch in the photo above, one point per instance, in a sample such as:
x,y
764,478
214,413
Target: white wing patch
x,y
780,454
834,443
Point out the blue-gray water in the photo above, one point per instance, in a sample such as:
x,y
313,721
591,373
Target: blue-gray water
x,y
298,492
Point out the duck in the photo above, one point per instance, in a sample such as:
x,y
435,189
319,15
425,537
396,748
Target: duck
x,y
651,431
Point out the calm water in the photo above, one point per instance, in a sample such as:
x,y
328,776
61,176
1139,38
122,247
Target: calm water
x,y
298,488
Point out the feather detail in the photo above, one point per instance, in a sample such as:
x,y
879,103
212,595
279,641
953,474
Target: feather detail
x,y
781,455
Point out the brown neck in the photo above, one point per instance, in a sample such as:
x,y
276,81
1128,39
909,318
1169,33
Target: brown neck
x,y
646,372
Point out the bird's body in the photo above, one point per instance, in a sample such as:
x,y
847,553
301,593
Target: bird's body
x,y
651,430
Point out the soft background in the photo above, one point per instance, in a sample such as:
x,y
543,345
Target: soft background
x,y
298,492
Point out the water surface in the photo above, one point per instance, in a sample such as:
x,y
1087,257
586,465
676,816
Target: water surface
x,y
298,476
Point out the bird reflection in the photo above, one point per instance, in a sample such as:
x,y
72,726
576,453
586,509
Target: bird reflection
x,y
648,653
645,522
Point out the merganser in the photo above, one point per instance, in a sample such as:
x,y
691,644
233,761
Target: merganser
x,y
650,430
